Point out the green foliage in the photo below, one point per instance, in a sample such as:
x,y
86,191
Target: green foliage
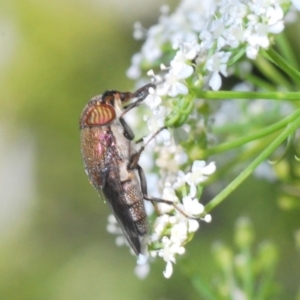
x,y
244,273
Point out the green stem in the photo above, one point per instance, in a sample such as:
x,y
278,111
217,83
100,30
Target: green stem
x,y
203,289
272,73
241,141
285,48
259,82
214,95
283,65
247,277
266,284
248,171
238,160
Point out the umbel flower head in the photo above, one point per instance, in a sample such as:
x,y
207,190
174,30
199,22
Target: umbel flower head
x,y
187,51
206,37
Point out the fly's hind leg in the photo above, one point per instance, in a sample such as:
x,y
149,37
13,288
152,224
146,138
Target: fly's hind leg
x,y
155,200
159,200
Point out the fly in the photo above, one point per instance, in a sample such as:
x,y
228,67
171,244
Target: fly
x,y
111,161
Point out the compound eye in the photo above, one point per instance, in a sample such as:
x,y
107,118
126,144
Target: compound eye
x,y
100,114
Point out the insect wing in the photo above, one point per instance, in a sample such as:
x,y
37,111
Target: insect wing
x,y
123,212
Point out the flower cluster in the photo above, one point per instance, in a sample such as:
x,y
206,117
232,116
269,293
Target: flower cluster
x,y
206,36
175,225
191,50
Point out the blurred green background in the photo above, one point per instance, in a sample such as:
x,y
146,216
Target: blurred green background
x,y
54,56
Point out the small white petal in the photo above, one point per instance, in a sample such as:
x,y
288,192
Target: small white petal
x,y
193,225
193,190
277,28
151,73
169,270
178,88
181,250
198,165
251,52
215,81
209,169
163,67
208,218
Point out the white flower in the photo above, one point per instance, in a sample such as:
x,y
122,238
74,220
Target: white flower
x,y
193,225
180,180
161,222
217,29
192,206
188,50
152,48
156,122
179,232
207,218
217,63
168,253
169,270
172,84
169,158
153,100
170,195
275,15
200,172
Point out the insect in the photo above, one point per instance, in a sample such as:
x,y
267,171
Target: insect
x,y
111,161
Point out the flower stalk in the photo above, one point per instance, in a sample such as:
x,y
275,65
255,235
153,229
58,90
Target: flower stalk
x,y
290,129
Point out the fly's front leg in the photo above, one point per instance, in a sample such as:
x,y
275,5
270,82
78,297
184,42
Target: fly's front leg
x,y
128,133
136,157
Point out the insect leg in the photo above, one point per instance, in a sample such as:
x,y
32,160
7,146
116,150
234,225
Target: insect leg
x,y
143,180
143,183
135,158
159,200
128,133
